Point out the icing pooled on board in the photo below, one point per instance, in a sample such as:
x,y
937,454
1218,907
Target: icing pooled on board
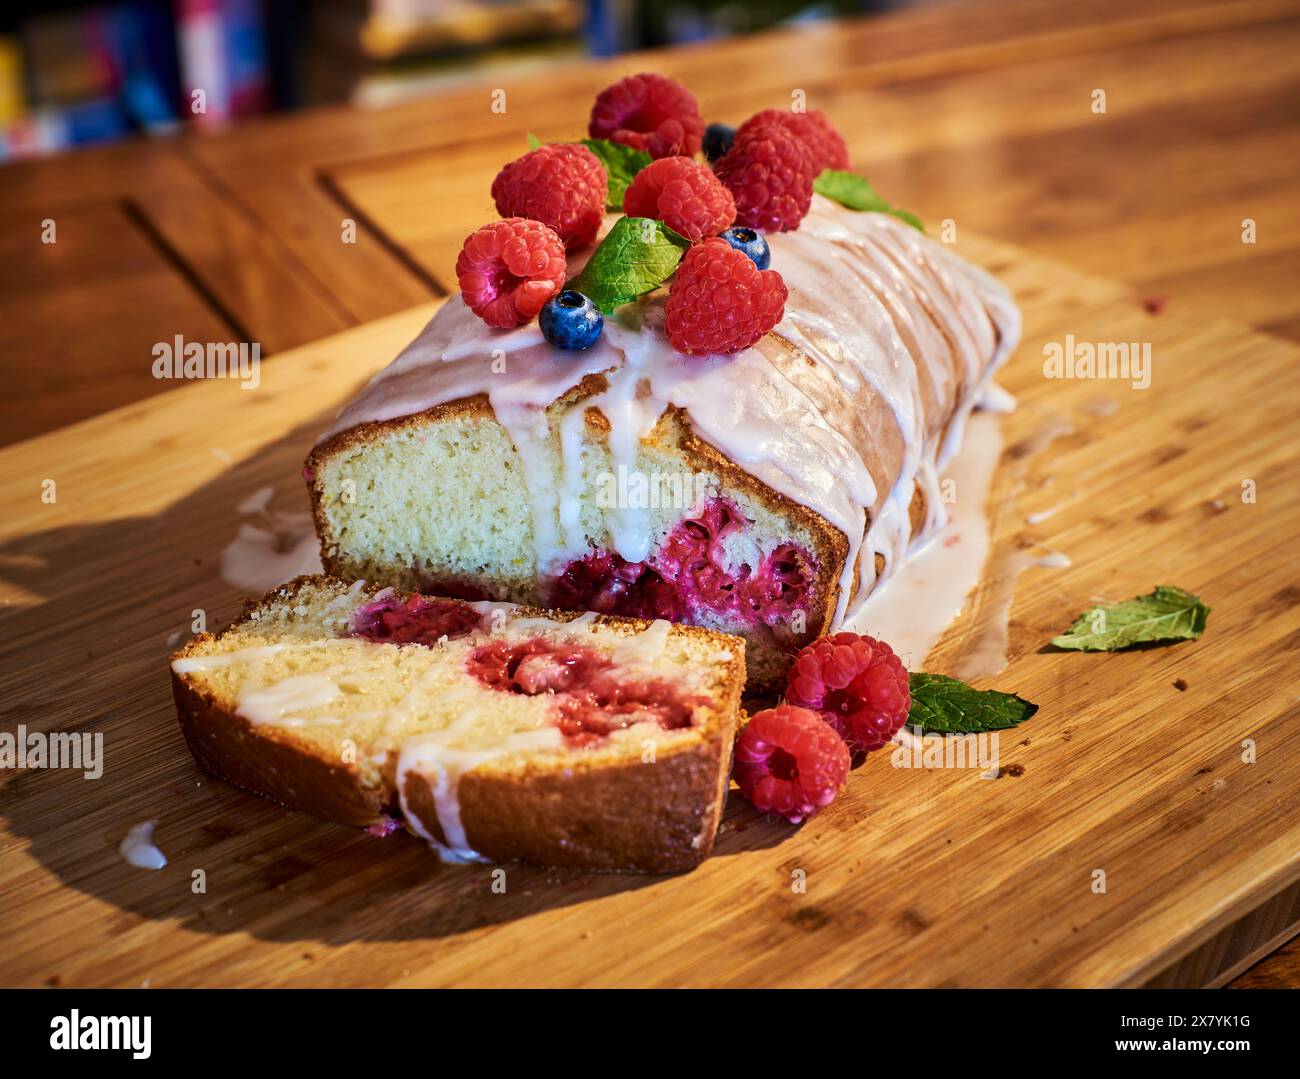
x,y
856,399
138,848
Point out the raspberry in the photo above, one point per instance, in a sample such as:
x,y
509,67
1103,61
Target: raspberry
x,y
770,172
684,195
609,584
649,112
856,683
415,620
816,132
689,577
509,269
561,185
789,762
720,302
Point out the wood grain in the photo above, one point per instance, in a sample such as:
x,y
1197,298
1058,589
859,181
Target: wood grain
x,y
976,112
913,877
147,248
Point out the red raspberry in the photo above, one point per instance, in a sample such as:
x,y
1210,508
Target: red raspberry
x,y
770,172
509,269
789,762
561,185
856,683
649,112
824,142
683,194
720,302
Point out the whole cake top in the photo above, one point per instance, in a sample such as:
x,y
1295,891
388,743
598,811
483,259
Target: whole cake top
x,y
807,329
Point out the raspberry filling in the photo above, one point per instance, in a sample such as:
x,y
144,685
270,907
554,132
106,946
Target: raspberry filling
x,y
415,620
592,700
688,577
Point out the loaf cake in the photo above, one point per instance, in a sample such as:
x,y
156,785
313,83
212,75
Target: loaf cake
x,y
781,484
740,428
494,731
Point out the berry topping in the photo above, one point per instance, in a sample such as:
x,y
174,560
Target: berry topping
x,y
592,699
857,685
770,173
684,195
815,131
648,112
607,583
720,302
509,269
534,666
751,242
561,185
718,139
606,703
789,762
415,620
571,321
690,578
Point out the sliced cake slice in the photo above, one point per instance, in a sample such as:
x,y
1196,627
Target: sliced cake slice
x,y
493,731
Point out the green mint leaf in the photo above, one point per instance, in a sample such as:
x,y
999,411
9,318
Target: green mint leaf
x,y
637,256
853,191
1168,614
944,705
621,164
533,141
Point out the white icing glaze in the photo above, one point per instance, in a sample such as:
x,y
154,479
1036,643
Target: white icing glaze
x,y
138,849
643,648
441,757
442,763
987,651
272,548
932,587
888,318
996,399
277,703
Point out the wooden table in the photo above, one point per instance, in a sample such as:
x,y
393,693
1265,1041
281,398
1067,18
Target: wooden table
x,y
978,113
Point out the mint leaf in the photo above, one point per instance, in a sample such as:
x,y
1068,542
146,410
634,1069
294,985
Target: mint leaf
x,y
1168,614
853,191
637,256
945,705
533,141
621,164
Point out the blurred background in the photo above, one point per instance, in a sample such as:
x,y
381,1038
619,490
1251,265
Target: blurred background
x,y
73,74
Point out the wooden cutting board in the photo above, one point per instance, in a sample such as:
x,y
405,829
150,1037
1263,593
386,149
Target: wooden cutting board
x,y
913,877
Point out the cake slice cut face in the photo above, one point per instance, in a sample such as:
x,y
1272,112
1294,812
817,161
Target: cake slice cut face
x,y
762,494
495,732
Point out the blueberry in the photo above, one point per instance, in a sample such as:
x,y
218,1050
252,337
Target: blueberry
x,y
571,321
718,139
751,242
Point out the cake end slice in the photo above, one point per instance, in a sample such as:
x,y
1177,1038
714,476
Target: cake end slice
x,y
496,732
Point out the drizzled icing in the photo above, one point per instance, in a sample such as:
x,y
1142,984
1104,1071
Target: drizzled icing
x,y
858,397
326,667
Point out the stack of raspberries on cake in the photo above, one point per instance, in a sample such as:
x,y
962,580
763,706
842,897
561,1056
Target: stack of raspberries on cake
x,y
726,406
